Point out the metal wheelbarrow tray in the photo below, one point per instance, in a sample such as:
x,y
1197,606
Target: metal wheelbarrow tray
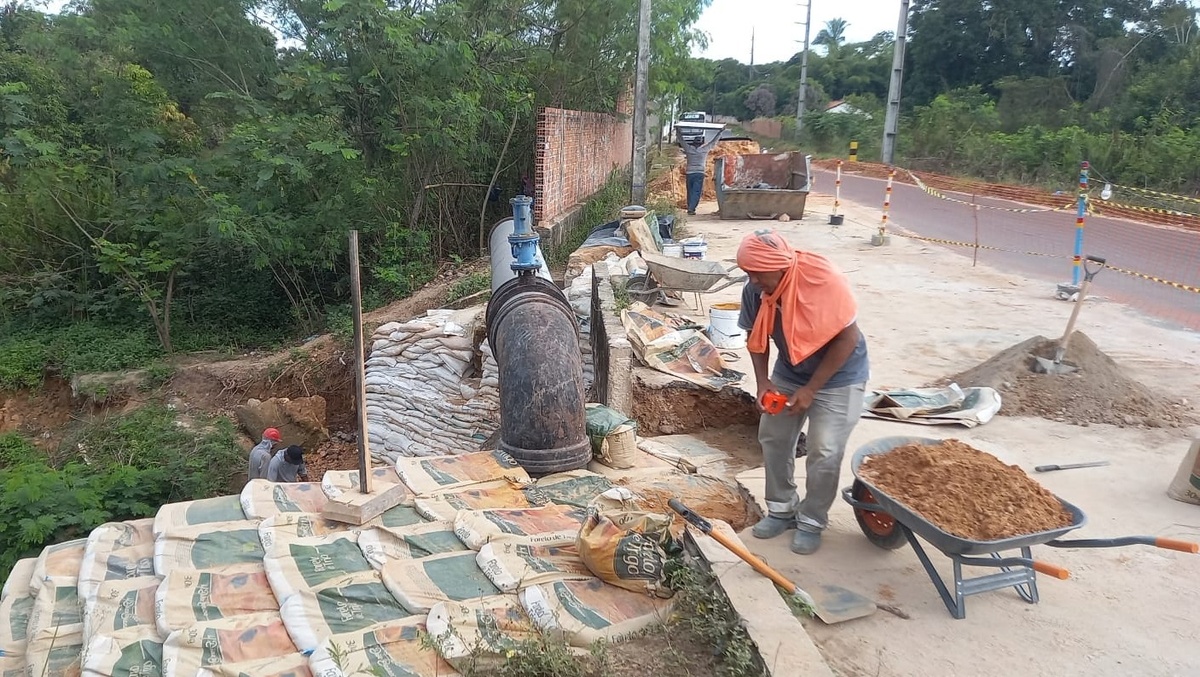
x,y
670,274
890,524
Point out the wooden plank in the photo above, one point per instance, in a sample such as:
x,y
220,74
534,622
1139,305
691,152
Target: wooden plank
x,y
359,508
360,375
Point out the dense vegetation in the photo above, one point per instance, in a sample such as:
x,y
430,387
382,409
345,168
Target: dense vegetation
x,y
1019,90
177,176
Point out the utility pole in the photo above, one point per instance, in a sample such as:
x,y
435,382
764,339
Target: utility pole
x,y
752,53
641,88
803,98
891,123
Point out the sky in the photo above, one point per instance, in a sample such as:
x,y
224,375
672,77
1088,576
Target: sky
x,y
778,25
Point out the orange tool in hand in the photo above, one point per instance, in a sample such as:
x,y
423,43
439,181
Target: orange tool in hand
x,y
774,402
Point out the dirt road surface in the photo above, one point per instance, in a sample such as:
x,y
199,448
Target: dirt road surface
x,y
928,314
1172,254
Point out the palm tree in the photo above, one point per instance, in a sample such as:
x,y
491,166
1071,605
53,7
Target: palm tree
x,y
832,35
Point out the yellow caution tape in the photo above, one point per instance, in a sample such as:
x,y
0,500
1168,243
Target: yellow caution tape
x,y
1157,193
1150,210
1151,278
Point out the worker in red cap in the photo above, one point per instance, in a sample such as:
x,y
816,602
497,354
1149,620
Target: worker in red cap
x,y
260,455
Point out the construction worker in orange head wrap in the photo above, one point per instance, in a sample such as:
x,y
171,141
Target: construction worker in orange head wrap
x,y
799,301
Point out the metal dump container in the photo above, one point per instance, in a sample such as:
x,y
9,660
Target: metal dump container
x,y
762,185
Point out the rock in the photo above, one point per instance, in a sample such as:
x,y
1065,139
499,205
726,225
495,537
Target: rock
x,y
300,420
784,217
106,387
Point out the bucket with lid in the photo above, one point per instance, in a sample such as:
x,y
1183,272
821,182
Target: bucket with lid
x,y
674,250
723,329
694,249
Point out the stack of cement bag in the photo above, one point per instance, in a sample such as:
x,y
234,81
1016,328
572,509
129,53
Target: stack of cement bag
x,y
579,293
423,398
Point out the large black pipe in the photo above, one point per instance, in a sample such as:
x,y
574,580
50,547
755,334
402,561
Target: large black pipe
x,y
534,337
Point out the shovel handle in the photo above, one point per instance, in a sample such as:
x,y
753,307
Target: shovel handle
x,y
1051,570
754,562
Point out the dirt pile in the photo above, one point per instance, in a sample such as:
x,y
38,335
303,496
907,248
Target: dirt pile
x,y
964,491
1099,392
673,184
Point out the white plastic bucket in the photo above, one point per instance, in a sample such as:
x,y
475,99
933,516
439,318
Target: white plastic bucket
x,y
673,250
694,250
723,329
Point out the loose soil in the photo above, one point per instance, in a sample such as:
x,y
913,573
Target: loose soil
x,y
1099,392
669,651
673,184
676,407
964,491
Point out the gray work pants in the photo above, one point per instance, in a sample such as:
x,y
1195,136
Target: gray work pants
x,y
831,418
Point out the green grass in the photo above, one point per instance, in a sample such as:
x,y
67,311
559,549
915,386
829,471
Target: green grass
x,y
466,286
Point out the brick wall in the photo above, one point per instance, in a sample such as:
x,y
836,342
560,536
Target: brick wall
x,y
576,153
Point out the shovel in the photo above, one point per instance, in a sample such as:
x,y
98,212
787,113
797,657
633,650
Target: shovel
x,y
1043,365
830,603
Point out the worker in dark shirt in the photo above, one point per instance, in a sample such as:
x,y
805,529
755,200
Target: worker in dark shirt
x,y
288,465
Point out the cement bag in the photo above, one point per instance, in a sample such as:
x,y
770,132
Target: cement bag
x,y
513,562
381,546
394,648
195,513
613,436
120,605
61,560
292,526
1186,486
420,584
55,631
12,666
208,546
19,579
311,563
498,494
295,665
439,474
61,656
479,634
586,612
136,652
627,549
229,640
188,596
263,498
119,565
551,525
56,609
14,623
577,487
337,482
345,604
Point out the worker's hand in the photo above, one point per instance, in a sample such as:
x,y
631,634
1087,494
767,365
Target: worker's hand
x,y
800,401
763,389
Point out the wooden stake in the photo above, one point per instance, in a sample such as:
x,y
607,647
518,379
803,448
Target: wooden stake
x,y
360,370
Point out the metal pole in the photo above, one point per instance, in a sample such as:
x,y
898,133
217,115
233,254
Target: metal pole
x,y
891,122
1077,268
640,92
803,97
360,393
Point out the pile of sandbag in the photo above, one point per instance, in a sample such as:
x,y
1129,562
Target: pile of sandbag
x,y
579,295
423,397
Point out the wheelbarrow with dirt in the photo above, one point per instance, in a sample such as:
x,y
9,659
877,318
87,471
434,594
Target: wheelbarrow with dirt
x,y
668,275
890,524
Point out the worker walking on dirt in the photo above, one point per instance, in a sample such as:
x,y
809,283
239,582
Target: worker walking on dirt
x,y
260,455
696,151
288,465
804,304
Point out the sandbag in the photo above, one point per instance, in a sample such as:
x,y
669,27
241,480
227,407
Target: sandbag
x,y
439,474
134,652
394,648
312,562
613,436
345,604
497,494
195,513
577,487
627,549
295,665
208,546
263,498
420,584
188,596
18,581
478,635
229,640
61,560
1186,485
381,546
550,525
588,611
120,605
129,563
513,562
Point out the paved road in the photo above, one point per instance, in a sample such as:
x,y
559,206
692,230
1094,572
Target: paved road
x,y
1160,252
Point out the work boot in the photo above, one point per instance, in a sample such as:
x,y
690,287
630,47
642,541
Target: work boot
x,y
772,526
802,446
806,542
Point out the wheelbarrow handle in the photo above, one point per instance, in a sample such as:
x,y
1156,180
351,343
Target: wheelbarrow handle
x,y
1164,543
1039,566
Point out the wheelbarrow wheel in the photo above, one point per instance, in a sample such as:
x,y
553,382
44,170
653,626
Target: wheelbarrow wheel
x,y
644,288
880,528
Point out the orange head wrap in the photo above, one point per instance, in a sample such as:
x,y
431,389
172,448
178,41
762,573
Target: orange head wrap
x,y
813,297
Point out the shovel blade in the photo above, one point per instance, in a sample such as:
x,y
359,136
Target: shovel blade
x,y
834,604
1043,365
